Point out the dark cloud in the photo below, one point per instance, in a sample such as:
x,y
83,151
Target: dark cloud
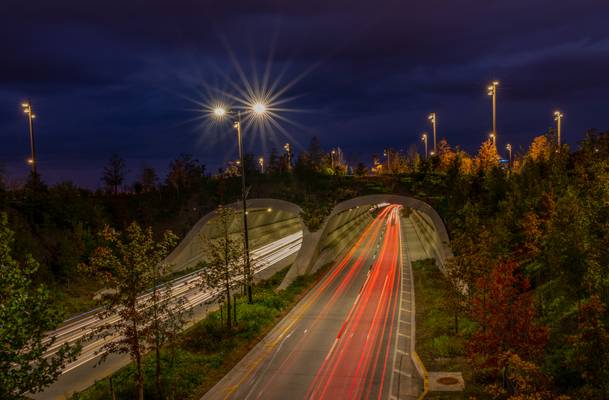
x,y
126,76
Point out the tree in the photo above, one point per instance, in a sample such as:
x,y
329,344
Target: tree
x,y
503,309
167,319
114,173
127,263
25,318
456,295
185,173
148,179
541,149
487,157
274,162
361,169
223,268
523,380
2,178
446,154
591,345
316,154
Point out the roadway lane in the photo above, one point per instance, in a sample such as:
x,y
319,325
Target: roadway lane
x,y
81,373
340,341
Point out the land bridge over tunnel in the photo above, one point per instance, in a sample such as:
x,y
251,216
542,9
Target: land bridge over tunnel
x,y
271,220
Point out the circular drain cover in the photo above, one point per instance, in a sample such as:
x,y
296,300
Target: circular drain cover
x,y
447,380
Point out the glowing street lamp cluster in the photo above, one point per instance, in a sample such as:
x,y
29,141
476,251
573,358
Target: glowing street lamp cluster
x,y
258,109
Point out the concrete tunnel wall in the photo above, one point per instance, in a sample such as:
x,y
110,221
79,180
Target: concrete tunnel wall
x,y
427,221
263,226
340,228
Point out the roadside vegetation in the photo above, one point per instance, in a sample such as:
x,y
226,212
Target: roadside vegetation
x,y
530,237
205,352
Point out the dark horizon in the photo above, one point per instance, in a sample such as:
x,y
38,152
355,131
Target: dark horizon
x,y
127,79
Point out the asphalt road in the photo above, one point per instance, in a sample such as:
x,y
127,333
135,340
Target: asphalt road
x,y
83,371
341,340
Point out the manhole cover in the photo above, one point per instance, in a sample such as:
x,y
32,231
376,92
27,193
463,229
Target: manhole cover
x,y
447,380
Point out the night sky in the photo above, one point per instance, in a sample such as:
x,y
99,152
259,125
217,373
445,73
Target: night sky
x,y
131,77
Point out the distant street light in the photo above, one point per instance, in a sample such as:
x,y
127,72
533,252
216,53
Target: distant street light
x,y
558,118
424,139
332,158
492,91
288,150
259,109
261,163
29,110
508,147
434,121
386,154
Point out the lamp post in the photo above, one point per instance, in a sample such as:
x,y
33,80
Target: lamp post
x,y
424,139
508,147
288,150
433,119
261,163
29,110
332,153
258,109
558,118
492,91
386,154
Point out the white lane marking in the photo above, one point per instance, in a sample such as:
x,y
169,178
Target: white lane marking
x,y
332,348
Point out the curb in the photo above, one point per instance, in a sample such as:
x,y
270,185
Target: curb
x,y
423,372
416,360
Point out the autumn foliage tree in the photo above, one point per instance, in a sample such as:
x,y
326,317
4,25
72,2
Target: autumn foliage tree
x,y
446,154
540,149
487,157
503,309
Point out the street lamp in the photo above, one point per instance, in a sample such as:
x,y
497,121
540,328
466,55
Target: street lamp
x,y
261,163
258,109
332,158
492,91
28,109
433,119
287,148
424,139
558,118
508,147
386,154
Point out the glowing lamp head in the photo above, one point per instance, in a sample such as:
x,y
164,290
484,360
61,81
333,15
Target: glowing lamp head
x,y
219,112
259,108
30,161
